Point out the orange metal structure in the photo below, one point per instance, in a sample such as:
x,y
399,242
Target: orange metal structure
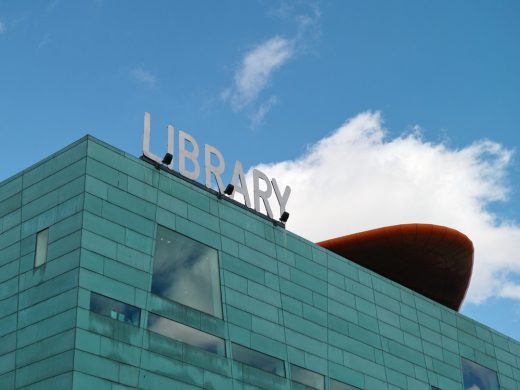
x,y
435,261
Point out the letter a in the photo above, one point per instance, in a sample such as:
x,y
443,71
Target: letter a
x,y
238,175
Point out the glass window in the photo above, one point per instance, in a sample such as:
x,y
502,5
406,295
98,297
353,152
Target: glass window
x,y
186,271
116,310
435,388
307,377
479,377
42,240
337,385
258,359
185,334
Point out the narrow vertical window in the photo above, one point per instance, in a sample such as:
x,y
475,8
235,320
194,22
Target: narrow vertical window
x,y
42,240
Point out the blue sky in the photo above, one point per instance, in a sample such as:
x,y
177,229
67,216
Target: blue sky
x,y
416,85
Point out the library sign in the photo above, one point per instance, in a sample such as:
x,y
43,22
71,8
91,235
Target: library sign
x,y
189,150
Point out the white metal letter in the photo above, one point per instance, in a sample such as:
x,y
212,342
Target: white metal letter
x,y
264,194
146,141
215,169
170,144
238,175
192,155
282,199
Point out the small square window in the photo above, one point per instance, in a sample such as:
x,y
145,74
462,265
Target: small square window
x,y
42,241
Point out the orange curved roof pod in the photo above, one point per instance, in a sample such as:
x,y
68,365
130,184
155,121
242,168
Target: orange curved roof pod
x,y
435,261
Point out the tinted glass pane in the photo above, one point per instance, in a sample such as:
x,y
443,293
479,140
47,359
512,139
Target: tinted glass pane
x,y
42,239
478,377
186,271
337,385
307,377
185,334
114,309
258,360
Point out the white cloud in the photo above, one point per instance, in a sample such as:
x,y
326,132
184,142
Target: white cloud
x,y
256,69
258,116
357,179
257,66
510,290
144,77
2,27
44,41
51,6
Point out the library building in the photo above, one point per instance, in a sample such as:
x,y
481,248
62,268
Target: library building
x,y
122,272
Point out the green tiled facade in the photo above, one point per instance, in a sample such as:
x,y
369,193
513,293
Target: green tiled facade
x,y
281,294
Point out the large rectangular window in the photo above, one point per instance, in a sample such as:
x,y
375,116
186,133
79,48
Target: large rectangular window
x,y
114,309
307,377
186,271
186,334
42,241
258,359
479,377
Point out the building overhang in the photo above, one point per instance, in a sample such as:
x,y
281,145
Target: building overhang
x,y
435,261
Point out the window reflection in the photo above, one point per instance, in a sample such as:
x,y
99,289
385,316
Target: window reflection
x,y
186,271
116,310
259,360
477,377
337,385
307,377
185,334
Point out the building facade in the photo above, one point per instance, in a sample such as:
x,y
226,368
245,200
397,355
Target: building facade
x,y
118,275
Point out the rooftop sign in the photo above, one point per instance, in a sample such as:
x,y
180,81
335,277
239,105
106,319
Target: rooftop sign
x,y
189,150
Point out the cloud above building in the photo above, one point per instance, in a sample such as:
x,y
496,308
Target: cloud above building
x,y
256,69
144,77
359,178
258,65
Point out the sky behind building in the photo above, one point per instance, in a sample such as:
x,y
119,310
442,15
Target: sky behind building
x,y
374,112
